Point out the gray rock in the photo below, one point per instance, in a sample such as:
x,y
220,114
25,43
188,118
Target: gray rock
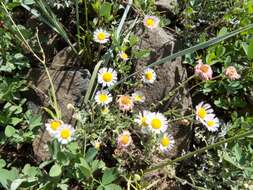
x,y
169,75
69,86
166,5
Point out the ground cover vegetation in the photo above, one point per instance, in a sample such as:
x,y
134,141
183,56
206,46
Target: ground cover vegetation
x,y
118,136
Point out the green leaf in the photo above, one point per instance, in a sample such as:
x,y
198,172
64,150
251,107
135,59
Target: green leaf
x,y
9,131
90,155
109,176
112,187
31,171
140,54
2,163
16,183
55,170
105,10
250,50
7,176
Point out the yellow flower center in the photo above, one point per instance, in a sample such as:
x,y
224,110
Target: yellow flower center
x,y
65,133
201,113
204,68
124,139
156,123
105,110
144,122
150,22
55,125
103,97
149,75
165,141
101,36
210,123
125,100
124,56
107,77
138,98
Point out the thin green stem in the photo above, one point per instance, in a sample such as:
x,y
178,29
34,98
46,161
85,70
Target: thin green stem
x,y
172,93
196,152
183,181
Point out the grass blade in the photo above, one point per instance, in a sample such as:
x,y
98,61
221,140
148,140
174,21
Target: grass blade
x,y
191,50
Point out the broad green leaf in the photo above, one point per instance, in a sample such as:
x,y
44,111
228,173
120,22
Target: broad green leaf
x,y
112,187
109,176
55,170
90,155
16,183
2,163
105,9
9,131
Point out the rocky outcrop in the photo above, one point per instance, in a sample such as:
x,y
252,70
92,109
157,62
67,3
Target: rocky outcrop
x,y
70,86
169,75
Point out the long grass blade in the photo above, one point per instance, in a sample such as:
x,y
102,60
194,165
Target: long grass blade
x,y
191,50
92,81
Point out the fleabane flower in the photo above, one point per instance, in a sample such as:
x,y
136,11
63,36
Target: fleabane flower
x,y
103,97
138,96
231,73
204,71
65,133
124,139
101,36
53,125
149,76
107,76
141,119
202,110
125,102
123,56
157,122
211,122
166,143
151,22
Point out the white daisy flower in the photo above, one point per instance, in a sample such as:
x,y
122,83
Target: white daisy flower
x,y
53,125
149,76
202,110
138,96
107,76
123,56
65,133
157,122
141,119
166,143
103,97
211,122
124,139
151,22
101,36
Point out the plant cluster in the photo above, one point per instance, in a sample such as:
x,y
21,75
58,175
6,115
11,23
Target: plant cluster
x,y
114,144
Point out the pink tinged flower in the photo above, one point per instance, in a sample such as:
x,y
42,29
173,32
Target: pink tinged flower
x,y
231,73
151,22
124,139
204,71
125,102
